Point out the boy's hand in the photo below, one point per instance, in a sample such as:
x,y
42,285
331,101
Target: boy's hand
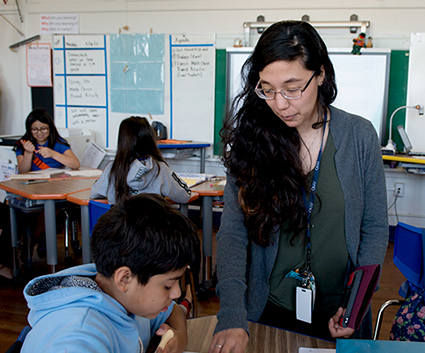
x,y
172,341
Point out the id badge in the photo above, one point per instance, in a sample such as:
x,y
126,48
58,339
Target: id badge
x,y
304,304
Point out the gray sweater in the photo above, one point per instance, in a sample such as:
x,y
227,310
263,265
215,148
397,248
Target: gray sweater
x,y
143,177
244,268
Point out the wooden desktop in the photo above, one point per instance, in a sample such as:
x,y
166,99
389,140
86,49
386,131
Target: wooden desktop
x,y
264,339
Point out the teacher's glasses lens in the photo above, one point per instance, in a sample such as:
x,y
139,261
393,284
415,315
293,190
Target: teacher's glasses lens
x,y
288,94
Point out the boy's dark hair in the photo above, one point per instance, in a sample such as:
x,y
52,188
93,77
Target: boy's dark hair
x,y
146,234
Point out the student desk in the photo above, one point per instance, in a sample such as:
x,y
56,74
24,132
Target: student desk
x,y
264,339
82,198
46,194
178,146
208,191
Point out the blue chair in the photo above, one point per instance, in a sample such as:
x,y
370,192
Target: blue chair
x,y
409,257
96,209
17,345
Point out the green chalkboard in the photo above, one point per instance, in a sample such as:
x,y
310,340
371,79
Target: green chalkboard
x,y
397,93
220,97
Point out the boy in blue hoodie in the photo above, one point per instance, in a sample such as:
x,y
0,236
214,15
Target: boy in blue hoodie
x,y
141,248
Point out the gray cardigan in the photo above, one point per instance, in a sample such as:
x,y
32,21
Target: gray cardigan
x,y
244,268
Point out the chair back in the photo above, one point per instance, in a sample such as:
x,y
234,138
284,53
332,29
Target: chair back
x,y
17,345
96,209
409,253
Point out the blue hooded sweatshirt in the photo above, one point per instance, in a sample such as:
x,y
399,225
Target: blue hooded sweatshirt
x,y
70,313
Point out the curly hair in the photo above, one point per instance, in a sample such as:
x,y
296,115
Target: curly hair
x,y
260,150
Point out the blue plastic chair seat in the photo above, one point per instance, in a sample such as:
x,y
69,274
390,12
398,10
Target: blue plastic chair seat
x,y
96,209
409,251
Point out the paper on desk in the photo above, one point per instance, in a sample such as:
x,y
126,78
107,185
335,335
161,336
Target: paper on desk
x,y
39,174
192,179
316,350
57,173
84,172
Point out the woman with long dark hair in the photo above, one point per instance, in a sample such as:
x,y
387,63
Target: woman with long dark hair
x,y
42,147
138,167
305,200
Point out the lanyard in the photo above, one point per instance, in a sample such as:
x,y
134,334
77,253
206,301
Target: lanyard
x,y
310,205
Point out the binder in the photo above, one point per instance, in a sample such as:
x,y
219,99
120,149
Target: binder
x,y
369,346
359,291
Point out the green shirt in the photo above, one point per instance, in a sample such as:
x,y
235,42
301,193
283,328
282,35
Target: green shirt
x,y
328,245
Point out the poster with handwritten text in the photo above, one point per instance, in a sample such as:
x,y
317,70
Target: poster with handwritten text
x,y
192,87
80,84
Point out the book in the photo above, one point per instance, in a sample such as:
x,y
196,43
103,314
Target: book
x,y
355,346
192,179
51,173
358,294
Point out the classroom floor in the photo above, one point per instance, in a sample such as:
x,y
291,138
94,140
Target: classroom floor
x,y
14,311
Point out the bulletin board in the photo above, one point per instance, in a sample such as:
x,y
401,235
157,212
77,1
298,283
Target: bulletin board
x,y
99,80
362,81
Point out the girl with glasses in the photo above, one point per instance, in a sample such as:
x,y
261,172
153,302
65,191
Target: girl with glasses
x,y
42,147
305,199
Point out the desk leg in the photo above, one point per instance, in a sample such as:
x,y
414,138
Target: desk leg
x,y
184,209
14,236
203,160
85,234
51,241
207,223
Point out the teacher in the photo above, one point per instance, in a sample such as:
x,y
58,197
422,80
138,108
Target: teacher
x,y
305,200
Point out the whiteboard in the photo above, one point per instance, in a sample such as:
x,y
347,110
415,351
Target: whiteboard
x,y
192,87
99,80
415,123
362,81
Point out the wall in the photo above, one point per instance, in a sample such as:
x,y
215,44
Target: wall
x,y
225,18
411,206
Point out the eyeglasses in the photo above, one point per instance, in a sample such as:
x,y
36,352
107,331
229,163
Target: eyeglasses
x,y
269,94
34,130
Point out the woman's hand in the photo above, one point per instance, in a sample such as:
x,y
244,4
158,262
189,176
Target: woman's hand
x,y
28,146
232,340
336,329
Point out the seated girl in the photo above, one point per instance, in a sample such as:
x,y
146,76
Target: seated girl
x,y
42,147
138,167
